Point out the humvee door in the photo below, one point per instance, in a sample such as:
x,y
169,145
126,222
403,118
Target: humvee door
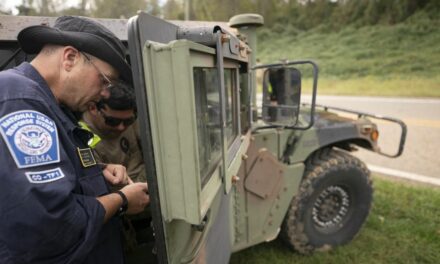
x,y
193,107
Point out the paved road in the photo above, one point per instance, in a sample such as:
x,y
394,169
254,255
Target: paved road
x,y
422,116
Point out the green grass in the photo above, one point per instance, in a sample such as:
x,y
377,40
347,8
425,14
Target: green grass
x,y
398,60
377,86
403,227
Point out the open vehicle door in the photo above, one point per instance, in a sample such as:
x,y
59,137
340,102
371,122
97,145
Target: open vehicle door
x,y
193,107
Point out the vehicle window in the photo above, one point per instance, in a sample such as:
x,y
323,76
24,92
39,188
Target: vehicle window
x,y
208,113
231,105
244,103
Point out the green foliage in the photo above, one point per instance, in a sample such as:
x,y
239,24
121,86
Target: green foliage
x,y
117,8
173,10
93,8
40,8
153,7
303,15
349,39
222,10
407,49
403,227
339,14
79,10
405,86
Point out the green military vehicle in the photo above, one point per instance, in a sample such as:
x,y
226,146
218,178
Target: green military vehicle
x,y
226,172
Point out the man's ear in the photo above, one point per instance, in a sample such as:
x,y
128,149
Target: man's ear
x,y
71,57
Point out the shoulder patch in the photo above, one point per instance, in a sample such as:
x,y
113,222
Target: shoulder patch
x,y
45,176
31,137
124,144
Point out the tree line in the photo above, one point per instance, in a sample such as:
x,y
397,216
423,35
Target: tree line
x,y
300,14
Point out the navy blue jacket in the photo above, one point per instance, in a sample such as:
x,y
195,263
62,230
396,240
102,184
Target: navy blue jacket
x,y
48,209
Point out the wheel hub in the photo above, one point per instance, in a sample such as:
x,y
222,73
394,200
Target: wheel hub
x,y
331,207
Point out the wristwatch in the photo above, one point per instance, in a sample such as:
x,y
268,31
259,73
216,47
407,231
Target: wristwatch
x,y
124,206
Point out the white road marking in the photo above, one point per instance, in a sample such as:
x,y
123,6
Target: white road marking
x,y
405,175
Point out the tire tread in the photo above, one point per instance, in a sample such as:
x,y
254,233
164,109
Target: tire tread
x,y
320,162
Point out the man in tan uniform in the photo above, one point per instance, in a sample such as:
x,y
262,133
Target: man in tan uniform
x,y
116,140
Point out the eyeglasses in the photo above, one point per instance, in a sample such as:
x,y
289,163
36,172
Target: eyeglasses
x,y
104,79
114,121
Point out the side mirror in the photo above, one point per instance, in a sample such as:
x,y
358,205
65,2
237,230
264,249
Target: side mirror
x,y
281,96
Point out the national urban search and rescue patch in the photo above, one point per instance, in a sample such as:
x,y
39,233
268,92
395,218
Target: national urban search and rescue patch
x,y
31,137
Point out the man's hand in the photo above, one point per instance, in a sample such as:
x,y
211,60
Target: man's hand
x,y
137,196
116,174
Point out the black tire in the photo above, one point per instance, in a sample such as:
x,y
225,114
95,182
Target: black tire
x,y
332,204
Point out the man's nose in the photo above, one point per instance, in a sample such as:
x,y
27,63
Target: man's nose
x,y
121,127
105,93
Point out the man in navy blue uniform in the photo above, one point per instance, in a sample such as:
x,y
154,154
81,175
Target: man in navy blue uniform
x,y
55,204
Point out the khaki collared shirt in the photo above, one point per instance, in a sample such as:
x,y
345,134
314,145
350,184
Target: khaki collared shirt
x,y
124,150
